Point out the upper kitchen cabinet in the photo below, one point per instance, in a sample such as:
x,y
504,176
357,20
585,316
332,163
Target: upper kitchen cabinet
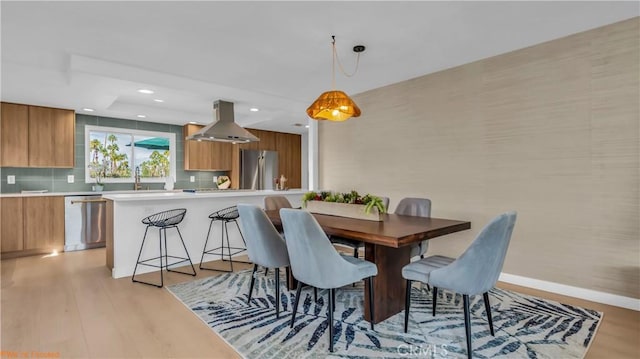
x,y
14,124
290,157
51,132
205,155
34,136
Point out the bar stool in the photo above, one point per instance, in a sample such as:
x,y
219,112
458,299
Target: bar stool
x,y
162,221
226,215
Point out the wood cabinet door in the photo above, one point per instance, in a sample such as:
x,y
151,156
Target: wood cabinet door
x,y
64,137
289,158
11,225
221,153
197,154
14,138
41,143
44,222
51,137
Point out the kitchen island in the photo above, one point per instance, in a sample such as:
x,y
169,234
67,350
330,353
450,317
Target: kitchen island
x,y
125,229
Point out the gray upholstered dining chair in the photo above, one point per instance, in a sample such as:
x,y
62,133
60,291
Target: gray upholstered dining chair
x,y
276,202
475,272
264,245
419,207
273,203
315,262
355,245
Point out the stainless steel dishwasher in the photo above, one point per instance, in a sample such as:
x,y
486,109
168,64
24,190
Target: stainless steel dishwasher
x,y
85,222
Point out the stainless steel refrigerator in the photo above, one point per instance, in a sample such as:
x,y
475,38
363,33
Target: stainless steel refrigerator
x,y
258,169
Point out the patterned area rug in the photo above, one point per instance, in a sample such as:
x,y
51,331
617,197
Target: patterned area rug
x,y
525,326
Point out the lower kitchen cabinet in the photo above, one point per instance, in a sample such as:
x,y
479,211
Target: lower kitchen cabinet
x,y
44,222
32,225
11,225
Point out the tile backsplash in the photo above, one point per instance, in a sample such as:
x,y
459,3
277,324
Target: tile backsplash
x,y
55,179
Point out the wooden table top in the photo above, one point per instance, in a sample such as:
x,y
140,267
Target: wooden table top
x,y
394,231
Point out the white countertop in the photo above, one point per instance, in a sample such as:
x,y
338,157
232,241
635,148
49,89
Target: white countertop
x,y
131,195
80,193
171,195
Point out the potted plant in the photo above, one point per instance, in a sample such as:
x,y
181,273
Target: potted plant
x,y
350,204
223,182
98,171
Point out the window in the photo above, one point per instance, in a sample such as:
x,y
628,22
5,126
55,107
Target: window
x,y
113,155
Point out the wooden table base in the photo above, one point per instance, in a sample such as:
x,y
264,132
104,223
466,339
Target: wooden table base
x,y
389,286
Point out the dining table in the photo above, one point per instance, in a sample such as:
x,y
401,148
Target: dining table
x,y
387,244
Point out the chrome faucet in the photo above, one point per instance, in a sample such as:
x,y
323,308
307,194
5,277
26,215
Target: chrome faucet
x,y
137,185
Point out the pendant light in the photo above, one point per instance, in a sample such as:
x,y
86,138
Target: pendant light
x,y
336,105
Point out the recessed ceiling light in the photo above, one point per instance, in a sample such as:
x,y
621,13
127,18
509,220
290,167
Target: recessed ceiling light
x,y
145,91
158,100
306,126
253,109
88,109
193,122
142,116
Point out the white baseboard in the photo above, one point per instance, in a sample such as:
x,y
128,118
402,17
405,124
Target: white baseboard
x,y
576,292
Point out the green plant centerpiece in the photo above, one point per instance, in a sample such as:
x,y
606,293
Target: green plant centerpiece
x,y
348,204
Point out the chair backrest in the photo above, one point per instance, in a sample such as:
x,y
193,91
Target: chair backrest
x,y
478,268
276,202
264,244
419,207
314,260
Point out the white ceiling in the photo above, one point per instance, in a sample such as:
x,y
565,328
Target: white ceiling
x,y
272,55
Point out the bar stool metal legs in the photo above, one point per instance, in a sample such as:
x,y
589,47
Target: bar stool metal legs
x,y
225,215
163,221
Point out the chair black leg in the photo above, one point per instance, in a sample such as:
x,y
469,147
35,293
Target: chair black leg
x,y
295,303
205,244
185,250
356,254
333,298
331,308
428,287
487,307
139,254
239,231
371,302
435,299
161,267
277,292
407,304
467,323
229,246
166,252
253,279
266,271
315,294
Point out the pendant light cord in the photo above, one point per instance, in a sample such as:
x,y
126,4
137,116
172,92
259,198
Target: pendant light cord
x,y
333,63
336,57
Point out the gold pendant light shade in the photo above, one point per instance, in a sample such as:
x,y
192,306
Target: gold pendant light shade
x,y
336,105
333,106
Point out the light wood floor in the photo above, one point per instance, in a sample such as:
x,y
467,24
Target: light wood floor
x,y
69,304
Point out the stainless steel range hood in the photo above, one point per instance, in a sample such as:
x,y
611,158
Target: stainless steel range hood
x,y
224,129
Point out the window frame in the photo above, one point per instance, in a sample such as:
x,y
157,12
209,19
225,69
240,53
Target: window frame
x,y
132,132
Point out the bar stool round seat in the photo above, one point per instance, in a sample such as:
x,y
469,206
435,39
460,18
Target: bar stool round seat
x,y
163,221
225,215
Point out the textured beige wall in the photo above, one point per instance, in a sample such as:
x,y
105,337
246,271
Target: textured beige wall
x,y
551,131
